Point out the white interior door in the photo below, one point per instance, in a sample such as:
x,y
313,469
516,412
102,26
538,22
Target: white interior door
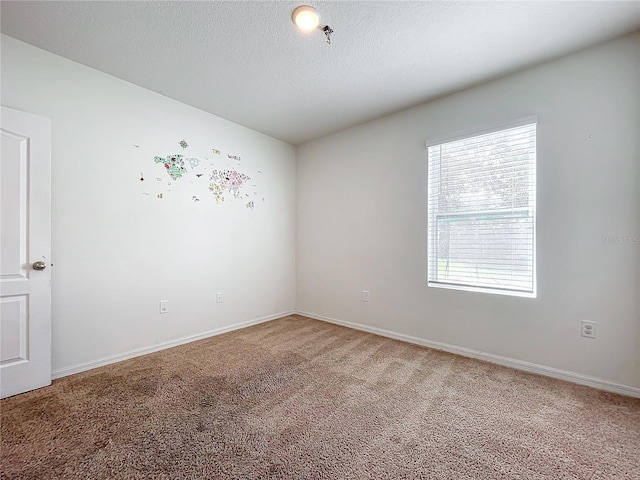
x,y
25,252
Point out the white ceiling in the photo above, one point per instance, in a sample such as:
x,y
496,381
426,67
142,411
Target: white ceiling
x,y
246,62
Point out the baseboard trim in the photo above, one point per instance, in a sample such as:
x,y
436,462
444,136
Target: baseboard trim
x,y
63,372
488,357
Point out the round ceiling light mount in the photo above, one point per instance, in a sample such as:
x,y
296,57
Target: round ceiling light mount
x,y
306,18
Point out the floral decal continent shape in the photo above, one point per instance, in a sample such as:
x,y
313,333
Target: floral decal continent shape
x,y
226,180
174,165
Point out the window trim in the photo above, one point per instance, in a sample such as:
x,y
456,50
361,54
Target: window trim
x,y
460,135
527,120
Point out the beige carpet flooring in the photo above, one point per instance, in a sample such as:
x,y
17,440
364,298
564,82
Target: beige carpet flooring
x,y
297,398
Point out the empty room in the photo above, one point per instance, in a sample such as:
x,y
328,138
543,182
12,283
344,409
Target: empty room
x,y
320,240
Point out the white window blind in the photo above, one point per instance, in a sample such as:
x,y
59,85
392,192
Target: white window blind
x,y
481,225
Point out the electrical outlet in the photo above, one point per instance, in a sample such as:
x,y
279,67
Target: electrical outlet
x,y
164,306
365,295
588,329
218,297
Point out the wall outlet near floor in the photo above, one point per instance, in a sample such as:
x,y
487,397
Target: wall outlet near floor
x,y
588,329
365,295
218,297
164,306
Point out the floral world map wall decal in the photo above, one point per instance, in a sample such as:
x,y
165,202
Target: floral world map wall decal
x,y
219,178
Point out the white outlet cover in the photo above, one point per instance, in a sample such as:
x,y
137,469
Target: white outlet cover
x,y
164,306
588,329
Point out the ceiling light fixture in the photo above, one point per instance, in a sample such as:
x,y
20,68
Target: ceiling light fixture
x,y
307,19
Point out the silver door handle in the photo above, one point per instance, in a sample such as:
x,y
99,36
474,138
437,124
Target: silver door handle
x,y
39,265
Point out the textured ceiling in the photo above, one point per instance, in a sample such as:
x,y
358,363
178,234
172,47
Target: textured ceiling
x,y
246,62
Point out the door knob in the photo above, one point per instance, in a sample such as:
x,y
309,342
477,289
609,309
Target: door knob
x,y
39,265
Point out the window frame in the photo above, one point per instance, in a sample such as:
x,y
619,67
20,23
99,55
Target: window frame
x,y
431,243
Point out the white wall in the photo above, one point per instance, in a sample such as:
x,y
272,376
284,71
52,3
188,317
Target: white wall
x,y
116,251
361,219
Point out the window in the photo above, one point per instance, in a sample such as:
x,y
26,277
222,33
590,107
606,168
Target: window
x,y
481,225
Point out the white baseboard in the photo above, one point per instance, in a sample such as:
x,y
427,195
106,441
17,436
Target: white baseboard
x,y
488,357
63,372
